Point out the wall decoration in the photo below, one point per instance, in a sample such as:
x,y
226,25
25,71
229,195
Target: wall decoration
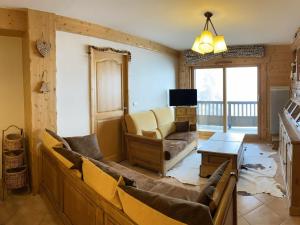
x,y
43,47
107,49
237,51
44,85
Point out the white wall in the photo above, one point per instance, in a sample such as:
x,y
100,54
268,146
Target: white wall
x,y
11,85
151,75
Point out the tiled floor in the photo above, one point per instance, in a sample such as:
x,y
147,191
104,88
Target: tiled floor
x,y
261,209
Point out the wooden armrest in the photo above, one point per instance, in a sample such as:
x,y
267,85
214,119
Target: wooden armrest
x,y
143,139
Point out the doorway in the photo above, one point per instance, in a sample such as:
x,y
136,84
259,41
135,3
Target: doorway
x,y
109,100
227,99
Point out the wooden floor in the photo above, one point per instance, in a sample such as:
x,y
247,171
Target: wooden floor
x,y
259,209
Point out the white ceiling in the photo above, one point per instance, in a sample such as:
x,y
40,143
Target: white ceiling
x,y
175,23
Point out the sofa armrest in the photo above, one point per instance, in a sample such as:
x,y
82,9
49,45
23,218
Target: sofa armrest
x,y
143,139
146,152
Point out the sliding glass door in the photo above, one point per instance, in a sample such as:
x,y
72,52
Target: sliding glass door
x,y
236,88
209,84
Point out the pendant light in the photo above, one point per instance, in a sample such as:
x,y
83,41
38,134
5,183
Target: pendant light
x,y
206,42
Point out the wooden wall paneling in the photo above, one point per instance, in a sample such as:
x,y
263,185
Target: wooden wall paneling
x,y
94,30
40,109
274,70
13,22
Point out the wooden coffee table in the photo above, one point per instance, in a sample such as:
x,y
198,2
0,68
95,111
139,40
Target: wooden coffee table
x,y
219,148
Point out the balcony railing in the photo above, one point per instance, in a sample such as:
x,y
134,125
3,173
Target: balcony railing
x,y
240,113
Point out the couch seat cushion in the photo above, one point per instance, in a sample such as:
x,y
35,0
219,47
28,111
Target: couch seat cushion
x,y
189,137
141,181
176,191
173,147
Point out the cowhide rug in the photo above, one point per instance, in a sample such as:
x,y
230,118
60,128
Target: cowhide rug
x,y
257,175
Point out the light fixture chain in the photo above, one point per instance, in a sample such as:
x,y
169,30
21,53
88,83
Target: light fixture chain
x,y
213,27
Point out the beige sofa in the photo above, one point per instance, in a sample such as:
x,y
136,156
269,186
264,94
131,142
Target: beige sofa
x,y
166,149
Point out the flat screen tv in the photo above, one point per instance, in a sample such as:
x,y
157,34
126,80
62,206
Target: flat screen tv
x,y
183,97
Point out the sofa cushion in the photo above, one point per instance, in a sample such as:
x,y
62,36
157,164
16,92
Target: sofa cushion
x,y
141,181
59,138
71,156
147,208
175,191
112,172
104,184
173,147
164,116
218,173
167,129
137,122
189,137
219,190
85,145
183,126
50,142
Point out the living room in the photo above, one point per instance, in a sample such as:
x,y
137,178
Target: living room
x,y
189,103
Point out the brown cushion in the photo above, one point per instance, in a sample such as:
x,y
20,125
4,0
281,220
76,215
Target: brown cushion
x,y
113,173
189,136
182,126
206,194
59,138
209,195
187,212
85,145
72,156
175,191
173,147
216,176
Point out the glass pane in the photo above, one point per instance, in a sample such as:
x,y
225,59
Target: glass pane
x,y
242,107
209,84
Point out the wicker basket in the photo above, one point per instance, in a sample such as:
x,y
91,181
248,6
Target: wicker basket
x,y
15,178
13,142
13,159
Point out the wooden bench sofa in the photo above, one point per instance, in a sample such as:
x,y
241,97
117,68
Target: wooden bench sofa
x,y
150,152
76,203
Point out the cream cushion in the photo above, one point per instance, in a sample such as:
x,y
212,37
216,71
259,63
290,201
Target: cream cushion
x,y
164,116
137,122
165,120
101,182
167,129
50,142
142,214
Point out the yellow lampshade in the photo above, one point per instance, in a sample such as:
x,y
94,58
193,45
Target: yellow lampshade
x,y
196,44
206,43
219,44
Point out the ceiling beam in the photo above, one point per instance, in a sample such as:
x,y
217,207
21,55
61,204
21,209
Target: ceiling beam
x,y
89,29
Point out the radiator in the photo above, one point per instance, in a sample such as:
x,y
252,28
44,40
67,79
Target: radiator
x,y
279,95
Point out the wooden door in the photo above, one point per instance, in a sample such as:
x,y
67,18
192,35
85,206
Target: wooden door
x,y
109,100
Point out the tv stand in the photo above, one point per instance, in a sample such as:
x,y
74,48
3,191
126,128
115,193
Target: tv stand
x,y
187,113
